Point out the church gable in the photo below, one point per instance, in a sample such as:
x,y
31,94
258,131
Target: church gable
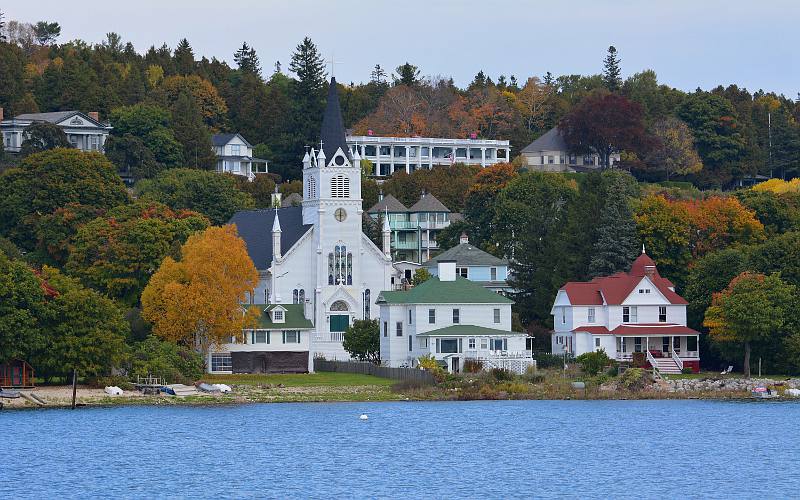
x,y
339,159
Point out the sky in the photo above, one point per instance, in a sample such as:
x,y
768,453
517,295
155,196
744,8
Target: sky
x,y
689,44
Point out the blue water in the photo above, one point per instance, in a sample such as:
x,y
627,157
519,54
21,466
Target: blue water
x,y
509,449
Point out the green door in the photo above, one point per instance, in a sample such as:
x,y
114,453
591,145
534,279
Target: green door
x,y
339,322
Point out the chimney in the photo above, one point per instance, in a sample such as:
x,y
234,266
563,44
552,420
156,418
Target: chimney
x,y
649,271
94,115
447,270
464,238
308,310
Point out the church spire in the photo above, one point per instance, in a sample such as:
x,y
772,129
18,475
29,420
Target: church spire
x,y
333,132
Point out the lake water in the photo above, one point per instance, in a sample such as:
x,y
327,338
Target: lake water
x,y
496,449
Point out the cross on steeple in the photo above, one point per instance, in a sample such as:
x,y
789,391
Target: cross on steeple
x,y
332,62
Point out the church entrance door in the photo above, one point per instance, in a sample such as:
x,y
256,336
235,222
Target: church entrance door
x,y
339,322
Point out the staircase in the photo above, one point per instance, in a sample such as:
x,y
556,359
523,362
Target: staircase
x,y
666,366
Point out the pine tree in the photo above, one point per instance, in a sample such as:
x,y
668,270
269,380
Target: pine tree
x,y
407,74
184,58
378,75
611,70
308,92
247,60
617,241
191,132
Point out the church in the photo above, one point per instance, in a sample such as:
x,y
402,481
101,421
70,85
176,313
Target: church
x,y
318,272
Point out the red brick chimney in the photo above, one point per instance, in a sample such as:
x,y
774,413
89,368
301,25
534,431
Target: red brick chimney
x,y
94,115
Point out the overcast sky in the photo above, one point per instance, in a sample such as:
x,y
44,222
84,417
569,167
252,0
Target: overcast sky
x,y
689,43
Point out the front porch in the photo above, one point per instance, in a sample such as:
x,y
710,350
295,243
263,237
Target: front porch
x,y
670,354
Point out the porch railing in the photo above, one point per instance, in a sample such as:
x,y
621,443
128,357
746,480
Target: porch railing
x,y
654,364
329,337
677,359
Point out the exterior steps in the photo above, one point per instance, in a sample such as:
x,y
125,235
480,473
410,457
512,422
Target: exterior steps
x,y
667,366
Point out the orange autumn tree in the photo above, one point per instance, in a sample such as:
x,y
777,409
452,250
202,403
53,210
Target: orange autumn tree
x,y
197,301
719,222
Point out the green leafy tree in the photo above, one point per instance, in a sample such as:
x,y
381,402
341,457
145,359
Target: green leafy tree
x,y
611,70
362,340
117,253
247,60
132,157
673,152
617,241
406,74
665,229
594,361
209,193
779,254
192,134
41,136
55,232
421,275
151,125
779,213
753,308
46,33
21,301
165,359
52,179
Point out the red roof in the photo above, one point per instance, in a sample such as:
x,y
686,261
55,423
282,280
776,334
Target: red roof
x,y
617,287
640,328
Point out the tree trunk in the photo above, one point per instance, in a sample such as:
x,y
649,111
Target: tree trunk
x,y
747,359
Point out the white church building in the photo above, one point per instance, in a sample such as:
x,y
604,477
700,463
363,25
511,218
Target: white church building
x,y
313,257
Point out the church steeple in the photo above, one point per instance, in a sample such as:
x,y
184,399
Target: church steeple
x,y
333,132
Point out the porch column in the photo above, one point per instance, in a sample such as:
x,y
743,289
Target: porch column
x,y
408,160
483,157
430,157
391,159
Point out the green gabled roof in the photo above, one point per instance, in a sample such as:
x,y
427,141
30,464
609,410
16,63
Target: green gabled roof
x,y
295,318
434,291
462,330
467,254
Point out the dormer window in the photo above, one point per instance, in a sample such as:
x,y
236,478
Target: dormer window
x,y
278,315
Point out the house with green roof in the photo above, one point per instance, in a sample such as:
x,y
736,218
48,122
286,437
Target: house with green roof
x,y
474,264
452,319
278,342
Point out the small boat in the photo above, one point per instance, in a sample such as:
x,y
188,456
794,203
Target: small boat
x,y
763,392
204,387
9,394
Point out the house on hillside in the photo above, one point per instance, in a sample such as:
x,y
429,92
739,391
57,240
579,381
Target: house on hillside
x,y
474,264
414,229
407,154
279,342
235,156
626,313
83,130
549,153
452,319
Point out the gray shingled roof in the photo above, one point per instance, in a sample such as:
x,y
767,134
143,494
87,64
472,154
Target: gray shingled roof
x,y
223,139
255,228
53,116
551,140
292,200
388,202
466,254
333,133
428,203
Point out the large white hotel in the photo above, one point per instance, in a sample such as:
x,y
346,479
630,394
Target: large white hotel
x,y
390,154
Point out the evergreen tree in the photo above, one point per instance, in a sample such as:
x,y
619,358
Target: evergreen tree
x,y
617,241
611,70
407,74
191,132
378,75
184,57
247,60
46,33
308,92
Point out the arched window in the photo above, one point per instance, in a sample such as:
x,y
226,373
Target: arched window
x,y
340,266
302,298
339,306
340,187
366,303
330,269
294,296
311,188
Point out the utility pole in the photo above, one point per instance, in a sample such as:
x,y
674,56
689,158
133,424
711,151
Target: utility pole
x,y
769,135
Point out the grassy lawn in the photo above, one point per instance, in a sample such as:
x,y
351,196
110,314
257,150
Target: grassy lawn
x,y
302,379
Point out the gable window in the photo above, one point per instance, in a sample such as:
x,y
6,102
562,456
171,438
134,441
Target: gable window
x,y
497,315
629,314
235,149
590,315
456,315
662,314
462,271
431,316
385,329
399,328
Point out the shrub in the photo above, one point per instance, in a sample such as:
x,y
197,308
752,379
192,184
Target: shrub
x,y
634,379
549,361
431,364
473,365
686,370
167,360
592,362
501,374
639,360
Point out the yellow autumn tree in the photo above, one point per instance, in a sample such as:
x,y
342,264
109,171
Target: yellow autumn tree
x,y
197,301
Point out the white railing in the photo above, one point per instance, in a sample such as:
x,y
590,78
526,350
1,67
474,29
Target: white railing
x,y
677,359
372,139
329,337
654,364
492,355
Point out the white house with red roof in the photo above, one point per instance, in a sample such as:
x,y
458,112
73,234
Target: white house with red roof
x,y
625,313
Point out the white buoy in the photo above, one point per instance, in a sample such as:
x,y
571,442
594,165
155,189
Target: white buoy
x,y
363,416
